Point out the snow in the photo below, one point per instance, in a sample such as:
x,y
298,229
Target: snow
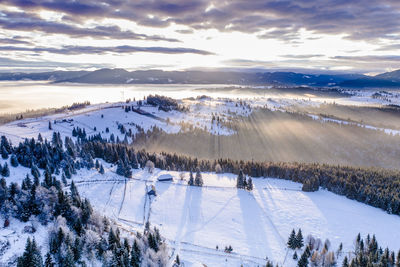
x,y
90,117
16,236
325,119
256,224
195,220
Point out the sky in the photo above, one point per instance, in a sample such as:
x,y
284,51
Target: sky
x,y
314,36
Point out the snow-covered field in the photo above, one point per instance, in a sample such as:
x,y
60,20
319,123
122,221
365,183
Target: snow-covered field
x,y
96,118
196,220
209,114
256,224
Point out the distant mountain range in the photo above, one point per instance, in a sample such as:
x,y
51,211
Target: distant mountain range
x,y
121,76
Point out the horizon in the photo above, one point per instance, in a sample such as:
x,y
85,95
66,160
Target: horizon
x,y
268,36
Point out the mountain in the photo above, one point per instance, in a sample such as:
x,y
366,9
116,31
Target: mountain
x,y
41,76
393,76
387,79
369,82
122,76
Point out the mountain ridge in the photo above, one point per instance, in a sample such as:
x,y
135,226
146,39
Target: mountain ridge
x,y
279,78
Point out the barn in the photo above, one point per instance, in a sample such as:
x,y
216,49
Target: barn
x,y
165,178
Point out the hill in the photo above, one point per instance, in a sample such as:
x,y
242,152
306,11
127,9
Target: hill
x,y
122,76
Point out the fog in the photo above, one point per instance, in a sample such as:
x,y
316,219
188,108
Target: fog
x,y
20,96
282,136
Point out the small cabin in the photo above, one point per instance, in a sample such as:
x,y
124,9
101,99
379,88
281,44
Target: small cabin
x,y
165,178
152,192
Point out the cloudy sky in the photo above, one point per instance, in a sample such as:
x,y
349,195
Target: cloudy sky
x,y
303,35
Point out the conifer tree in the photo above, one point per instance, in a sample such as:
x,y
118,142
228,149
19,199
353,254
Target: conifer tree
x,y
4,153
68,260
64,179
299,240
135,255
31,256
303,262
240,180
249,184
101,171
177,260
49,261
40,138
292,240
35,171
14,161
5,170
198,181
191,179
345,262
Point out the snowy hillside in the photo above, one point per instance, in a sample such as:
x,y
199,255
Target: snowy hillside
x,y
256,224
96,119
195,220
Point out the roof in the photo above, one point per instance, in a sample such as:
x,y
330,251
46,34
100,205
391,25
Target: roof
x,y
165,177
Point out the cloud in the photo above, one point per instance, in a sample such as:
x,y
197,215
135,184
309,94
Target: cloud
x,y
302,56
14,63
76,50
14,40
280,19
18,21
339,64
390,47
376,58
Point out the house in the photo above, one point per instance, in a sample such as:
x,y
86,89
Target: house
x,y
152,192
165,178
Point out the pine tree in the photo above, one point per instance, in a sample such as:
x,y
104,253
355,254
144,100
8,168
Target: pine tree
x,y
76,249
191,179
299,240
47,178
135,255
31,256
50,127
303,262
40,138
49,261
5,170
68,260
345,262
295,255
240,180
101,171
177,260
120,168
64,179
14,161
198,181
292,240
249,184
36,181
4,153
75,195
35,171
